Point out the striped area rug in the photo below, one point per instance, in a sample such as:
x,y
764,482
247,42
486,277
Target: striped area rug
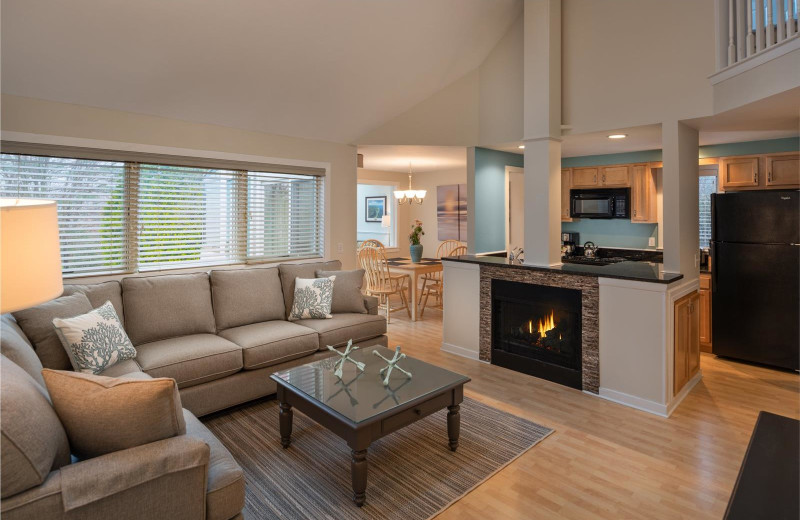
x,y
412,473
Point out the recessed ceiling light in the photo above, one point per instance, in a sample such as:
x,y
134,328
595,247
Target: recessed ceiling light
x,y
521,147
618,136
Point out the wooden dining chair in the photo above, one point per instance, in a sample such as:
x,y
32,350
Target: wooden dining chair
x,y
436,287
381,282
445,249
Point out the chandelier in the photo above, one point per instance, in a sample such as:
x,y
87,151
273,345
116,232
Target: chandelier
x,y
410,195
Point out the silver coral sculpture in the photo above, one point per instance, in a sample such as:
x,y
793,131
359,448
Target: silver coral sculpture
x,y
392,364
345,356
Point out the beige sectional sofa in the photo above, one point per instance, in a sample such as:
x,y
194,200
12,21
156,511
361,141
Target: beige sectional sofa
x,y
219,335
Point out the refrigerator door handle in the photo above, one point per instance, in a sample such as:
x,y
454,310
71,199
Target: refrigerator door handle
x,y
714,267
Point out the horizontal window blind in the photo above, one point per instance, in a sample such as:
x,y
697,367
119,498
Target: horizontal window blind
x,y
186,217
91,207
284,216
128,216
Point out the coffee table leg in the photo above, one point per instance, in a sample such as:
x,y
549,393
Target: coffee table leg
x,y
453,425
358,471
286,424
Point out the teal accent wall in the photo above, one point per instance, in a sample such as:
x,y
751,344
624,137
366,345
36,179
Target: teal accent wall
x,y
490,197
612,158
613,232
789,144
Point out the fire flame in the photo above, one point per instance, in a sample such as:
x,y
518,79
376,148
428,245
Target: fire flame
x,y
543,326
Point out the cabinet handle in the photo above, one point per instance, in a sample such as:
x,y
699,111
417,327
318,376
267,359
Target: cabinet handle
x,y
595,178
634,212
769,176
755,177
604,177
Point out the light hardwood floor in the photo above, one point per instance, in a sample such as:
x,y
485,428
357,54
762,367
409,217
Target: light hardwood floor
x,y
606,460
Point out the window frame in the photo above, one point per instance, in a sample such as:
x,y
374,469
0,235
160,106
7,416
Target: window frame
x,y
133,160
708,173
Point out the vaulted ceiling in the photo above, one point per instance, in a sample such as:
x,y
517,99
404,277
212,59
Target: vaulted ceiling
x,y
319,69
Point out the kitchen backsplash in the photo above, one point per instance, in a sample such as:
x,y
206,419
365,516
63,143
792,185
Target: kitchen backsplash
x,y
613,232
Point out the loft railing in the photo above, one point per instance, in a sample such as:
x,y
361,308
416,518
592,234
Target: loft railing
x,y
746,28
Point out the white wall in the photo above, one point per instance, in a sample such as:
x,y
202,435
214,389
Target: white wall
x,y
63,121
634,62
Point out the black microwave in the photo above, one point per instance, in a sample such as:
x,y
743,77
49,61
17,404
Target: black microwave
x,y
603,203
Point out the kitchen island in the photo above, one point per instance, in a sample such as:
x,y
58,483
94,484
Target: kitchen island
x,y
624,315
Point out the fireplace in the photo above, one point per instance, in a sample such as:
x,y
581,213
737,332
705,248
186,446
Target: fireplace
x,y
537,329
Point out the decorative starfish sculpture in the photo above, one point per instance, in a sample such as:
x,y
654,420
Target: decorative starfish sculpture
x,y
398,356
345,356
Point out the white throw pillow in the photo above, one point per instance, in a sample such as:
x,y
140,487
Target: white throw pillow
x,y
94,341
313,298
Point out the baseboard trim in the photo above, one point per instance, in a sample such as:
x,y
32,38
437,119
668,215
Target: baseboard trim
x,y
460,351
633,402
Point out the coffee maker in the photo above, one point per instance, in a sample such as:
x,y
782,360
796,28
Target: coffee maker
x,y
568,243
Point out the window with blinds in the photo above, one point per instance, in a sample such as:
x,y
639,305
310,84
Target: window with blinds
x,y
129,216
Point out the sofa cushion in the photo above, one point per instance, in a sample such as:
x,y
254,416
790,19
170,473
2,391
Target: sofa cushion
x,y
245,296
225,485
190,360
127,368
107,414
347,295
94,341
162,307
343,327
272,342
37,324
291,271
16,347
33,440
99,293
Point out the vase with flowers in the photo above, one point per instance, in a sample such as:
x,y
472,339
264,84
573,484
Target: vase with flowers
x,y
415,249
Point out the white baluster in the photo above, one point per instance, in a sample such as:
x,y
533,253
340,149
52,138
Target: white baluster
x,y
741,41
770,24
731,32
781,21
760,30
750,43
792,27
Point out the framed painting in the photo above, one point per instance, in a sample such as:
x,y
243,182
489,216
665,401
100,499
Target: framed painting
x,y
451,212
374,209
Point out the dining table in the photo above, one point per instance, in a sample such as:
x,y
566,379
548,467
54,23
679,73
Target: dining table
x,y
404,265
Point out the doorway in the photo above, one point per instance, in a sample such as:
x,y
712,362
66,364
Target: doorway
x,y
515,208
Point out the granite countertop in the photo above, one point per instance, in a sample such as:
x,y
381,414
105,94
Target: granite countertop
x,y
636,271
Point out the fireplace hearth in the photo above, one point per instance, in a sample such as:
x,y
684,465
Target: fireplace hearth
x,y
537,329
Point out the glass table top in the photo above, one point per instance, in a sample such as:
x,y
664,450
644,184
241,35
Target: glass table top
x,y
358,395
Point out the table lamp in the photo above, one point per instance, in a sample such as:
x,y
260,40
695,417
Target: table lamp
x,y
30,254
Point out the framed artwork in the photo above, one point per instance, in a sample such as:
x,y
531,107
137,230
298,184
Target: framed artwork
x,y
375,208
451,212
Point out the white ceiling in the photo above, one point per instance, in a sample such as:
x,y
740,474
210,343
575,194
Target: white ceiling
x,y
320,69
422,158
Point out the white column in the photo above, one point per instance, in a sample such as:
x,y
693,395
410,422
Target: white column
x,y
680,198
542,131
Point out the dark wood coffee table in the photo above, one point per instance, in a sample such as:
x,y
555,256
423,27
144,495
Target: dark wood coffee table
x,y
360,410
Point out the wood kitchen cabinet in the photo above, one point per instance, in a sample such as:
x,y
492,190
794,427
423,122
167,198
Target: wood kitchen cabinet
x,y
585,178
739,172
705,312
615,176
643,195
783,171
566,184
687,340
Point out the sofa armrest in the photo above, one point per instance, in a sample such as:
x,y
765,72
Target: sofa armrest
x,y
371,303
169,476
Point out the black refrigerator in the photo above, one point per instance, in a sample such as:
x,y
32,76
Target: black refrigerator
x,y
755,276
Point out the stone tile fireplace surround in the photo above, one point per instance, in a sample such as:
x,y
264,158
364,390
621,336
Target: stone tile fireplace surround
x,y
588,285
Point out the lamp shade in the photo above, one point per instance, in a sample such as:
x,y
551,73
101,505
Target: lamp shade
x,y
386,221
30,254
